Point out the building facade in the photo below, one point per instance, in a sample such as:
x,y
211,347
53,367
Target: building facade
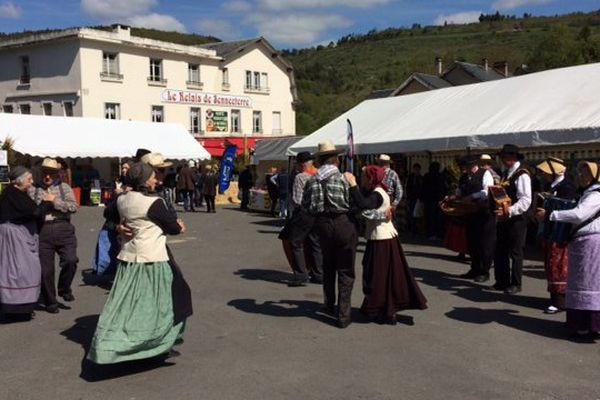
x,y
221,90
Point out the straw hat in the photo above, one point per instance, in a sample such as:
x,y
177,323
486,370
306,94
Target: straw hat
x,y
327,148
385,158
552,166
50,163
155,160
593,167
486,159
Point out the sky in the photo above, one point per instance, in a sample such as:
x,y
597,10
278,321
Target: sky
x,y
285,23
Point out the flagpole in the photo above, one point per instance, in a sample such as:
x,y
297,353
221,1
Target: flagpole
x,y
350,143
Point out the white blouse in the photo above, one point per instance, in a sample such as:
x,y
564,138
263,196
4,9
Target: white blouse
x,y
587,207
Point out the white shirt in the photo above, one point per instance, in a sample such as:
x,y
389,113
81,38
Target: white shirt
x,y
523,192
586,208
559,179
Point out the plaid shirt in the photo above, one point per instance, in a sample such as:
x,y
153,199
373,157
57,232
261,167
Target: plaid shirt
x,y
392,181
328,195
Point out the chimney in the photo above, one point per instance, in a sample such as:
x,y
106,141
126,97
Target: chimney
x,y
123,31
502,68
439,66
485,64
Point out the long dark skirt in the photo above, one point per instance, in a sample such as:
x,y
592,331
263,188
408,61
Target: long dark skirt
x,y
388,283
583,320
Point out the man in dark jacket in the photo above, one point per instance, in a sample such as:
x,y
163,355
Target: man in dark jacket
x,y
187,186
246,182
210,180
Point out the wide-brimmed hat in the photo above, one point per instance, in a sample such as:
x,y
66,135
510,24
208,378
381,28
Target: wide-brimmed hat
x,y
327,148
593,167
384,158
470,160
141,153
155,160
552,166
486,159
511,149
304,156
50,163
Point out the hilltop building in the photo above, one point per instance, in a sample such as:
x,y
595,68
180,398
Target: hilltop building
x,y
222,92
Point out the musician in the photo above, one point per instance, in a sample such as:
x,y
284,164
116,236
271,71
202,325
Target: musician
x,y
481,225
555,254
487,162
512,223
583,286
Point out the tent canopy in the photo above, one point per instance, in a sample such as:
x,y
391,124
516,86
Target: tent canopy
x,y
74,137
273,149
558,106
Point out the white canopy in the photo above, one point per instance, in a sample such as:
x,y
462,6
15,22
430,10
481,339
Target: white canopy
x,y
552,107
92,137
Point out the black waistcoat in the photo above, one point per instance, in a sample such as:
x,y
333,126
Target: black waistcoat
x,y
474,183
511,188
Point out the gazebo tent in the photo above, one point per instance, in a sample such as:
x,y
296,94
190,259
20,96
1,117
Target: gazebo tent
x,y
274,149
553,107
73,137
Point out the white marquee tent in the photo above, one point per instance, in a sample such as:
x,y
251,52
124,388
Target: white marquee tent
x,y
75,137
547,108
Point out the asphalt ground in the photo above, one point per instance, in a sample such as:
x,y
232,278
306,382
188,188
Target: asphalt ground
x,y
252,337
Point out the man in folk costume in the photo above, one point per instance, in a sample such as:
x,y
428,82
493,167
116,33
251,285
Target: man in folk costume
x,y
391,180
327,198
302,238
487,162
57,236
512,226
556,257
481,225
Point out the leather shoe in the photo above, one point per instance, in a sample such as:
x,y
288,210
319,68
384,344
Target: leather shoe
x,y
512,289
482,278
344,323
68,297
52,308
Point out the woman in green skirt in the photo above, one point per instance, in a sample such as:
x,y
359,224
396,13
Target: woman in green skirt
x,y
140,318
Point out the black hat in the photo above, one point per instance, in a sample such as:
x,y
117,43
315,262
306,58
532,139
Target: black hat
x,y
511,149
304,156
141,153
470,160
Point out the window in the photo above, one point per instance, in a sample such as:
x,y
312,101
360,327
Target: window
x,y
249,79
225,76
112,111
25,71
277,123
68,108
257,80
193,74
8,108
156,73
158,114
195,120
257,122
25,108
235,121
47,108
264,81
110,64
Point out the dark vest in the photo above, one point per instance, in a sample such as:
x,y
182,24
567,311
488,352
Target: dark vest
x,y
474,183
566,190
511,188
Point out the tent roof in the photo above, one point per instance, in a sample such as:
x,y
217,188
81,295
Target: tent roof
x,y
552,107
93,137
273,149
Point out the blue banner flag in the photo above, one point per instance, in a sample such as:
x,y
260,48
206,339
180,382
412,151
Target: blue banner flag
x,y
350,142
227,164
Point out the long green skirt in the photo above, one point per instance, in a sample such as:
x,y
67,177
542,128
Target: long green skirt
x,y
137,319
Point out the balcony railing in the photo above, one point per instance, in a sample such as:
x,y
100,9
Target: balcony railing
x,y
257,89
226,86
156,81
194,84
111,76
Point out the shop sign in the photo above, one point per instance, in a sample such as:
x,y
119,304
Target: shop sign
x,y
204,99
216,121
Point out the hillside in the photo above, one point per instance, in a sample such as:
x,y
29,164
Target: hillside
x,y
332,79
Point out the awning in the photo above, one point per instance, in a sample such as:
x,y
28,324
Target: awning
x,y
553,107
92,137
274,149
216,146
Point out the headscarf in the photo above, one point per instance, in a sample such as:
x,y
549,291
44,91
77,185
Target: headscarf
x,y
138,175
17,172
375,175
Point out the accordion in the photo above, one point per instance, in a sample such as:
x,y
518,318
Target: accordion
x,y
461,208
500,200
557,232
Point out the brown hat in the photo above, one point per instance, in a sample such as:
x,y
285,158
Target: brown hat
x,y
552,166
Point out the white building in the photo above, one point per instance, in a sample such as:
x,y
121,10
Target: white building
x,y
229,89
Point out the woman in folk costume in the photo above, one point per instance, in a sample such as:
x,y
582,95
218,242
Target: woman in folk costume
x,y
583,280
20,270
556,255
388,284
140,318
